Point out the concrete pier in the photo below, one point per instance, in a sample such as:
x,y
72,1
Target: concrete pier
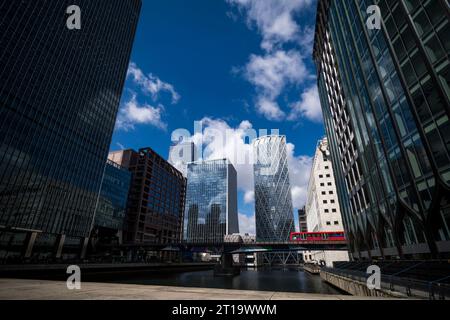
x,y
359,288
13,289
58,271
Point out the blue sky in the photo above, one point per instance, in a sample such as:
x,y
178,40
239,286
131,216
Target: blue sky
x,y
232,64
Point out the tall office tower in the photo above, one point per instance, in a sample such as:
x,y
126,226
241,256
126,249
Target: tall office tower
x,y
273,200
180,154
302,223
323,213
156,198
385,96
59,94
112,204
211,202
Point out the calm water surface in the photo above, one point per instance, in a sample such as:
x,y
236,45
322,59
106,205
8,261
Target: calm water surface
x,y
263,280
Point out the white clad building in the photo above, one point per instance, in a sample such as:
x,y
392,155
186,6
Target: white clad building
x,y
322,208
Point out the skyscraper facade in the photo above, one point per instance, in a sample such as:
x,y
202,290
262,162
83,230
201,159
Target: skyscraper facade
x,y
302,223
385,96
59,95
156,199
273,200
323,213
211,202
180,154
112,203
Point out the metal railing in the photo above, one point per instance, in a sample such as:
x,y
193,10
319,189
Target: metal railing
x,y
435,289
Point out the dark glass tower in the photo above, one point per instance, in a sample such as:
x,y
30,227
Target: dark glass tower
x,y
386,101
112,203
59,95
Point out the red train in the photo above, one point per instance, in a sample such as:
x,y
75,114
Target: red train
x,y
318,236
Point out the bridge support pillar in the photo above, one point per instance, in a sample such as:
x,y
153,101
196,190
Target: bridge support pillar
x,y
225,268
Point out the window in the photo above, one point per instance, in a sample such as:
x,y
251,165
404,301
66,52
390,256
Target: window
x,y
336,223
328,223
327,211
333,201
331,192
330,184
334,210
325,201
324,193
320,176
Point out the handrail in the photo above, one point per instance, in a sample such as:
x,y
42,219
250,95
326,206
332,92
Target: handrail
x,y
409,268
408,283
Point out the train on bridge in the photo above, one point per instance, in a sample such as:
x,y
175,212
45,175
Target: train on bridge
x,y
318,236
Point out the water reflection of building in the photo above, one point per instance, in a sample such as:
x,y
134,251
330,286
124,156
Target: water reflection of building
x,y
211,201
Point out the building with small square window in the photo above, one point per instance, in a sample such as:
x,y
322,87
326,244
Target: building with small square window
x,y
322,210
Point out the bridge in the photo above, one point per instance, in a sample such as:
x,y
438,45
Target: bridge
x,y
228,249
247,247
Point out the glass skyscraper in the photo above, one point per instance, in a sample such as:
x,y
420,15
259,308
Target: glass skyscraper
x,y
273,199
59,96
385,95
112,203
211,202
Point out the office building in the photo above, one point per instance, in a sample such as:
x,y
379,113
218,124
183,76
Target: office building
x,y
59,94
302,223
211,202
112,204
385,95
322,208
180,154
156,198
274,213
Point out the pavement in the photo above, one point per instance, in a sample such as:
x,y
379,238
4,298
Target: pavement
x,y
15,289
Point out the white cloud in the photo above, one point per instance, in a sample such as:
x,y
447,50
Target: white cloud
x,y
277,69
299,172
306,40
308,107
275,19
151,84
133,113
249,196
121,146
270,109
222,141
271,74
247,224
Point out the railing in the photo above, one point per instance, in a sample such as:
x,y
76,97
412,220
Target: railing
x,y
434,289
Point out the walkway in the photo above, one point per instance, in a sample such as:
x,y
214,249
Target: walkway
x,y
12,289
